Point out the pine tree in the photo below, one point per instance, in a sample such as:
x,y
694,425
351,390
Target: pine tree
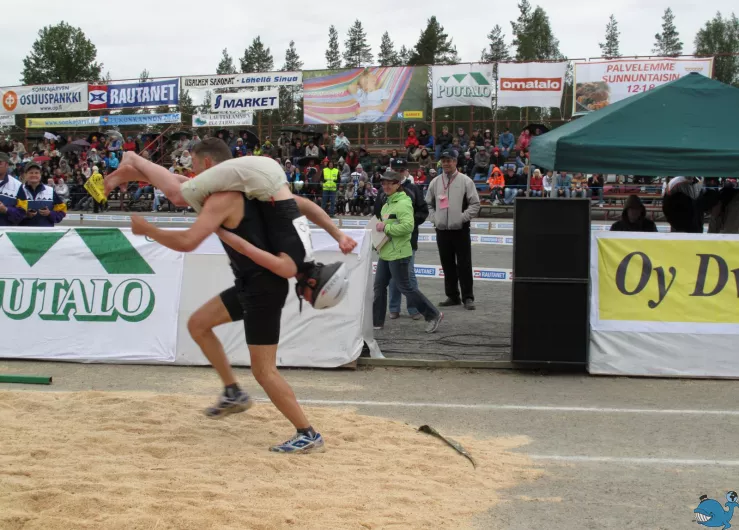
x,y
610,48
333,54
289,95
226,66
434,46
404,56
207,101
720,36
144,76
533,36
186,107
668,43
357,51
497,50
388,56
257,58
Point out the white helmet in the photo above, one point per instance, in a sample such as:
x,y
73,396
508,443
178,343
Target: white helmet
x,y
328,282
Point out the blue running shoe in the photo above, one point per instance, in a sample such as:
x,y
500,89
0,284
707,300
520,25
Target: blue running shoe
x,y
300,443
226,405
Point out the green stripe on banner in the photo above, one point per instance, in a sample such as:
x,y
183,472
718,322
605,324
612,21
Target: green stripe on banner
x,y
114,251
34,245
477,76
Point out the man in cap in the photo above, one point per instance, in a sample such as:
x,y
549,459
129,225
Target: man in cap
x,y
420,214
13,203
45,207
453,202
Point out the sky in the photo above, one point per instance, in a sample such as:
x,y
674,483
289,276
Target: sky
x,y
187,37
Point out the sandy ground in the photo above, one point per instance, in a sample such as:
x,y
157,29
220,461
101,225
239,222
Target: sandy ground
x,y
617,453
140,460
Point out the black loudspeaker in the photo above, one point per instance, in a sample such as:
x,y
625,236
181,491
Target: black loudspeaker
x,y
551,286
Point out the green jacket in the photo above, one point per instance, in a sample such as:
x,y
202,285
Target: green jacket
x,y
399,229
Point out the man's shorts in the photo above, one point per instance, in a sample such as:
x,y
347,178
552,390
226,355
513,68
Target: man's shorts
x,y
259,177
258,301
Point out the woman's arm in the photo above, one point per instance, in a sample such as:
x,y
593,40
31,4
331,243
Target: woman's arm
x,y
282,265
404,224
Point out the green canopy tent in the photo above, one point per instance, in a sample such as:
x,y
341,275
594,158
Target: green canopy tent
x,y
687,127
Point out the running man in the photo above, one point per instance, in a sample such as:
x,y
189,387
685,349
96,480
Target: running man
x,y
265,250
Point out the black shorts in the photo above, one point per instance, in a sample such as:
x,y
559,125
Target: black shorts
x,y
258,301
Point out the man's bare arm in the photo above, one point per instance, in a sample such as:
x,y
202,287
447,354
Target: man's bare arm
x,y
215,212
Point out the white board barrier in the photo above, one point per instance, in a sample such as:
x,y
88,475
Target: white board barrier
x,y
664,305
324,339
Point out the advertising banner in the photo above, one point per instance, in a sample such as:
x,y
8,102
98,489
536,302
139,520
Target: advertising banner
x,y
123,95
664,304
99,121
140,119
667,284
89,295
243,80
462,85
265,100
365,95
39,99
531,84
7,120
223,119
600,83
51,123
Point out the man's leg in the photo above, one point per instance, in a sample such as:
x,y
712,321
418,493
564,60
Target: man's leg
x,y
200,325
215,312
412,311
135,168
463,252
379,302
445,245
332,197
262,299
399,269
264,369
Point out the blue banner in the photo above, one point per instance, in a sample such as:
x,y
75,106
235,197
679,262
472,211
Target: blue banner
x,y
141,119
149,94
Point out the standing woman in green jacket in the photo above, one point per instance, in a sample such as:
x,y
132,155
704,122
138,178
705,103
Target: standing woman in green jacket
x,y
395,256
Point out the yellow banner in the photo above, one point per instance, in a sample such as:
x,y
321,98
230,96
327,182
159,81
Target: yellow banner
x,y
43,123
668,280
95,186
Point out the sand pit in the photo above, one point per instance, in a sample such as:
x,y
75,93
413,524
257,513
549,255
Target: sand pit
x,y
151,461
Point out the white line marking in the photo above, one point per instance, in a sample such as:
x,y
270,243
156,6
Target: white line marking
x,y
640,461
535,408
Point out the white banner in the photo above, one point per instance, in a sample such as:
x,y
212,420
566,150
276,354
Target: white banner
x,y
243,80
268,99
600,83
88,294
39,99
7,120
531,84
462,85
223,119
